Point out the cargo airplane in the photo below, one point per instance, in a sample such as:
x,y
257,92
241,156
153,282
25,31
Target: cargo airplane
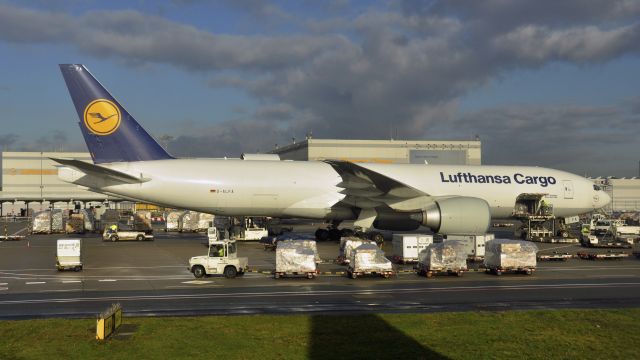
x,y
448,199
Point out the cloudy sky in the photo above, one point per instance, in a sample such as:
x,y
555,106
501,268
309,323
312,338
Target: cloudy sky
x,y
547,83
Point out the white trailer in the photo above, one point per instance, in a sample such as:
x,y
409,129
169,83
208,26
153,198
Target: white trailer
x,y
69,254
406,247
474,245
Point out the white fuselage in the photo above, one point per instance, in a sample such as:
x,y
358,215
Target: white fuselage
x,y
308,189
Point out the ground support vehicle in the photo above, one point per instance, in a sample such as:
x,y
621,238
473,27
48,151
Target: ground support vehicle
x,y
368,259
296,258
474,245
221,260
512,256
607,256
116,235
406,247
69,254
555,257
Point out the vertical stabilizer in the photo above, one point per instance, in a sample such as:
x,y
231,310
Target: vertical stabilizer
x,y
111,134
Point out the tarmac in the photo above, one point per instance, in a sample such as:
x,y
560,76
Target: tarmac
x,y
151,278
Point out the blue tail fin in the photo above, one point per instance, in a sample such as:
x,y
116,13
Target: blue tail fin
x,y
111,134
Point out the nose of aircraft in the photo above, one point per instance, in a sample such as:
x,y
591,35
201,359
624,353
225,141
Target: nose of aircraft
x,y
603,199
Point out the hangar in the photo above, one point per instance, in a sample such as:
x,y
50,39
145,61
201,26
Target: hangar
x,y
384,151
624,192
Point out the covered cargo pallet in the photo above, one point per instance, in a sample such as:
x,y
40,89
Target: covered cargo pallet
x,y
48,221
173,220
449,257
295,257
368,259
189,221
89,220
204,222
142,220
510,255
347,245
75,224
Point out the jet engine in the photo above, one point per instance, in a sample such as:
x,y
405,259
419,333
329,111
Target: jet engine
x,y
456,215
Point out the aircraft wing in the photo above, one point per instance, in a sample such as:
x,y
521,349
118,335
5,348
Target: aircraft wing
x,y
100,172
368,189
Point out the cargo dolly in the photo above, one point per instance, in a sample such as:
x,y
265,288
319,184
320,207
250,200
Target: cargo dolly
x,y
307,274
607,256
423,270
498,270
382,273
555,257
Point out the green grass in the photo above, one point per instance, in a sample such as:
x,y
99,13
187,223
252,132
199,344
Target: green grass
x,y
560,334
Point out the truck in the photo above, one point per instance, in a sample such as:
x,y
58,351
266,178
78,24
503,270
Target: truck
x,y
406,247
474,245
446,257
69,254
368,259
118,234
222,259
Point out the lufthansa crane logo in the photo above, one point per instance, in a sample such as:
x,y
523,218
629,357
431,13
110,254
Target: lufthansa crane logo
x,y
102,117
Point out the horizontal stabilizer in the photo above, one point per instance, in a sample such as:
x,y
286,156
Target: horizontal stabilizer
x,y
100,171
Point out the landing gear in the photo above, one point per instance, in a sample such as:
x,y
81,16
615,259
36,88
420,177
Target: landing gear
x,y
322,234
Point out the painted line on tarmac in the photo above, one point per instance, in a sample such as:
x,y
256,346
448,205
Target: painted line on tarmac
x,y
107,280
35,282
322,293
4,284
4,288
104,268
71,281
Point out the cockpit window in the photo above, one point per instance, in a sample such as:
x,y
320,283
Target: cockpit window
x,y
596,188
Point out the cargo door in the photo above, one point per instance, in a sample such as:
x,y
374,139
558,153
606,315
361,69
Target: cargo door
x,y
568,189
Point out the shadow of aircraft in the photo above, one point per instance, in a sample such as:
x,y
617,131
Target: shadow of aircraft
x,y
362,337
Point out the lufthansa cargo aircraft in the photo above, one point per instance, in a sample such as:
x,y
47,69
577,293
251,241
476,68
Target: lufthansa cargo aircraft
x,y
449,199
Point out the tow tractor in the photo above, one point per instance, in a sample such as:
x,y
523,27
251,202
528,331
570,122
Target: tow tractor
x,y
222,259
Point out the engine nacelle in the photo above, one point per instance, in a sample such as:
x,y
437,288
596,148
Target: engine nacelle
x,y
457,215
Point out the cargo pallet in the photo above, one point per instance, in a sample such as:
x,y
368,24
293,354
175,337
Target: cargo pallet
x,y
555,257
498,270
307,274
607,256
430,272
354,274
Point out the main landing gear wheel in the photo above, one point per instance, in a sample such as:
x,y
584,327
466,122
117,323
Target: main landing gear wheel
x,y
334,234
322,234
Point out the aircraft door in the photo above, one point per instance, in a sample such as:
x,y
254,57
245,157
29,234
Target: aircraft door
x,y
568,189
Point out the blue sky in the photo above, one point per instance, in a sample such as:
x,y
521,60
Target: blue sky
x,y
551,85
